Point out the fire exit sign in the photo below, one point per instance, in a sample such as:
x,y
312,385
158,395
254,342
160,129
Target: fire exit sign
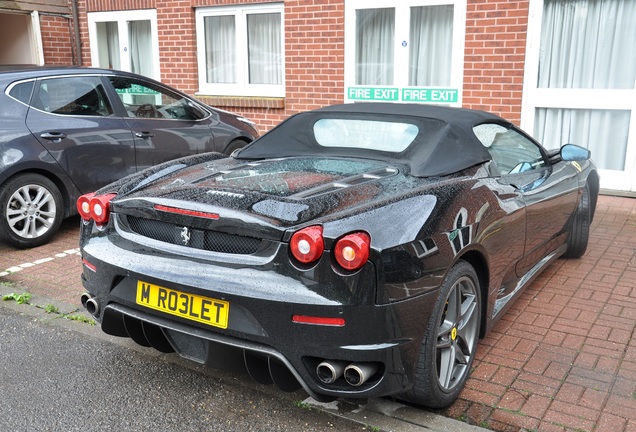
x,y
406,94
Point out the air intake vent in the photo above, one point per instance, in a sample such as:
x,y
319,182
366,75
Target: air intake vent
x,y
192,237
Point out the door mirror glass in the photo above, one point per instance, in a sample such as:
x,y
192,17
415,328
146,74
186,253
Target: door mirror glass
x,y
571,152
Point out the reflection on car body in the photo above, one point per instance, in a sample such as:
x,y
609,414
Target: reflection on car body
x,y
349,264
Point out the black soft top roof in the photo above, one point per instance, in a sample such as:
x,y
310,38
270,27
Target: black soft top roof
x,y
445,143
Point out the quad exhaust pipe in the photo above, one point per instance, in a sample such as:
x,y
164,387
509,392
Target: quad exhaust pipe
x,y
91,305
355,374
330,370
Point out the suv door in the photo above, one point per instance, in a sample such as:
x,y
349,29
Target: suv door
x,y
165,124
73,119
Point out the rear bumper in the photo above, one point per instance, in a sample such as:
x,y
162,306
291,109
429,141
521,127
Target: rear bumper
x,y
261,334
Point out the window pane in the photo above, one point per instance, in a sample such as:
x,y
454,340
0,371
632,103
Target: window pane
x,y
511,151
431,47
365,134
73,96
264,48
108,44
139,34
375,34
603,132
588,44
22,92
220,49
142,99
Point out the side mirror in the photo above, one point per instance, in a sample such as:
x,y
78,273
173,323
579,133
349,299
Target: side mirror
x,y
194,111
571,152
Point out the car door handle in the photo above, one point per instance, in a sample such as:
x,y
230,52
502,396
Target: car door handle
x,y
144,134
53,136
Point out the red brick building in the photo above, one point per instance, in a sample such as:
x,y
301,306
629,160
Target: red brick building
x,y
565,70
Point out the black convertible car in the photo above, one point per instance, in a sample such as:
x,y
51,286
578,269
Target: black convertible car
x,y
354,251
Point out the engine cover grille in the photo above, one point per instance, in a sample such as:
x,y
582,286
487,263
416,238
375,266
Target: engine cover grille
x,y
193,237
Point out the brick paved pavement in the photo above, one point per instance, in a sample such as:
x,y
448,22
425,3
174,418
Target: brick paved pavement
x,y
561,359
52,270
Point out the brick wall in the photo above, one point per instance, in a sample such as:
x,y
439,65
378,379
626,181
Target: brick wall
x,y
314,60
177,45
57,42
314,53
494,56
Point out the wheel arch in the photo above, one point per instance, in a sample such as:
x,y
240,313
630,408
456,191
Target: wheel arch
x,y
69,205
235,143
479,263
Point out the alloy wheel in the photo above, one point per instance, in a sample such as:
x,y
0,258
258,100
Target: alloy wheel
x,y
457,334
31,211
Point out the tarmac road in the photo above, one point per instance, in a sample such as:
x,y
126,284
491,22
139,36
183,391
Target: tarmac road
x,y
62,375
56,375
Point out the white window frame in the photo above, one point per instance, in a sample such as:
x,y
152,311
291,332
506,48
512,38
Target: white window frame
x,y
242,87
402,33
36,43
603,99
122,18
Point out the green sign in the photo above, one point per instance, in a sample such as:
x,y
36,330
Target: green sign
x,y
137,89
407,94
389,94
427,94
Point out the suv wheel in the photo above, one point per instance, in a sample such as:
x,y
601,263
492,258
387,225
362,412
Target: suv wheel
x,y
32,210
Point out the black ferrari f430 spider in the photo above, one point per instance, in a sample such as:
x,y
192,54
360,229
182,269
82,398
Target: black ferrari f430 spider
x,y
355,251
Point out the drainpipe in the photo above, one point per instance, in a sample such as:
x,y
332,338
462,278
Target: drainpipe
x,y
78,43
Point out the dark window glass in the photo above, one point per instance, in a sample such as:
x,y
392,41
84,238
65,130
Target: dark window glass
x,y
83,96
511,151
22,91
143,99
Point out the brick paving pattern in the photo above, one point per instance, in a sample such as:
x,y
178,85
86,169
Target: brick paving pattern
x,y
52,270
561,359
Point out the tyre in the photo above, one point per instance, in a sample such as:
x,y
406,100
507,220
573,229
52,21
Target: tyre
x,y
450,343
233,146
32,210
580,228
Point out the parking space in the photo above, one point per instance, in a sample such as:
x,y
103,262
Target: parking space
x,y
562,359
52,270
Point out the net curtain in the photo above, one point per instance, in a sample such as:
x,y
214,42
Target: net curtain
x,y
587,44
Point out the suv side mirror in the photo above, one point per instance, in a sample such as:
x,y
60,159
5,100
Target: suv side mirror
x,y
194,111
572,152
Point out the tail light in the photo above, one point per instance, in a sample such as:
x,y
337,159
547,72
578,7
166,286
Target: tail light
x,y
83,206
95,207
352,250
307,244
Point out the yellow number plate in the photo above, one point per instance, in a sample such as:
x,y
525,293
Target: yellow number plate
x,y
189,306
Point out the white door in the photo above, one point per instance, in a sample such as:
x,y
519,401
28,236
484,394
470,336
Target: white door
x,y
580,82
125,40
